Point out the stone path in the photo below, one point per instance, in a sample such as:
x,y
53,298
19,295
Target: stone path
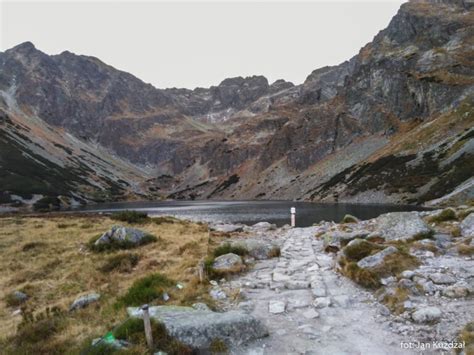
x,y
309,308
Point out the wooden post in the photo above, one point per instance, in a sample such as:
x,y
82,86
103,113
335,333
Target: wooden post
x,y
147,324
201,270
293,216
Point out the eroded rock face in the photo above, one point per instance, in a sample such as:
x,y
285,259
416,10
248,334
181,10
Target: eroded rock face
x,y
199,328
416,70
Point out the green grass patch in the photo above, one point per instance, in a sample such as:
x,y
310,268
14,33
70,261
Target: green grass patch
x,y
133,331
229,248
448,214
359,249
132,217
146,290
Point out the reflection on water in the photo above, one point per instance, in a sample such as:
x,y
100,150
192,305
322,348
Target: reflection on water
x,y
250,212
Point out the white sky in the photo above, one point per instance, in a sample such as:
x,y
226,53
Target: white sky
x,y
194,43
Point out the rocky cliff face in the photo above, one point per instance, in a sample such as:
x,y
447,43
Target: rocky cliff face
x,y
389,125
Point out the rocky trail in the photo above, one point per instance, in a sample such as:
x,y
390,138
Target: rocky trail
x,y
310,309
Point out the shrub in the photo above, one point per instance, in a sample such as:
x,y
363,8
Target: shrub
x,y
350,219
370,278
132,217
467,335
32,245
146,290
121,263
447,214
464,249
218,346
360,249
118,245
464,213
275,252
166,219
394,301
47,203
132,330
229,248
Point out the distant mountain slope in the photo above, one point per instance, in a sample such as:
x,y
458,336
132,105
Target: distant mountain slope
x,y
392,124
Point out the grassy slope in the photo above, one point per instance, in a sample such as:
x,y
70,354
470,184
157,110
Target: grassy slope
x,y
60,268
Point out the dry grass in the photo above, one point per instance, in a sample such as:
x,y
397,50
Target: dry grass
x,y
467,335
50,263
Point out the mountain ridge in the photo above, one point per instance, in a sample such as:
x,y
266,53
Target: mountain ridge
x,y
247,138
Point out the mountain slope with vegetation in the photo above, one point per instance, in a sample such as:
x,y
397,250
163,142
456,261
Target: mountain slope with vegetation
x,y
392,124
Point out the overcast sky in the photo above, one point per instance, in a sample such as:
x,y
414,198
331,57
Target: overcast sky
x,y
190,44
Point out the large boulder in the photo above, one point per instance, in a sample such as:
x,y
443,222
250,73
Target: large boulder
x,y
227,262
256,248
84,301
199,328
122,235
467,226
334,240
377,259
228,228
401,226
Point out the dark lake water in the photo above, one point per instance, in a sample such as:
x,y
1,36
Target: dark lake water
x,y
250,212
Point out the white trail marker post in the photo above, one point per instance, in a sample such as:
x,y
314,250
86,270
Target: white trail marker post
x,y
147,325
293,216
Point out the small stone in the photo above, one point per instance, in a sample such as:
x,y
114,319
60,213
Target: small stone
x,y
217,293
408,274
439,278
310,314
388,280
213,283
426,315
456,291
200,306
384,310
166,297
322,302
276,307
84,301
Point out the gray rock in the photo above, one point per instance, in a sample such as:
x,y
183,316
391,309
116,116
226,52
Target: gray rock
x,y
439,278
377,259
310,313
201,306
263,226
20,296
426,315
408,274
467,226
276,307
227,262
338,238
388,280
256,248
217,293
199,328
429,287
401,226
322,302
120,234
84,301
228,228
458,290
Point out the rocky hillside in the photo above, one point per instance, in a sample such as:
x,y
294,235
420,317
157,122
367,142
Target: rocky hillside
x,y
392,124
